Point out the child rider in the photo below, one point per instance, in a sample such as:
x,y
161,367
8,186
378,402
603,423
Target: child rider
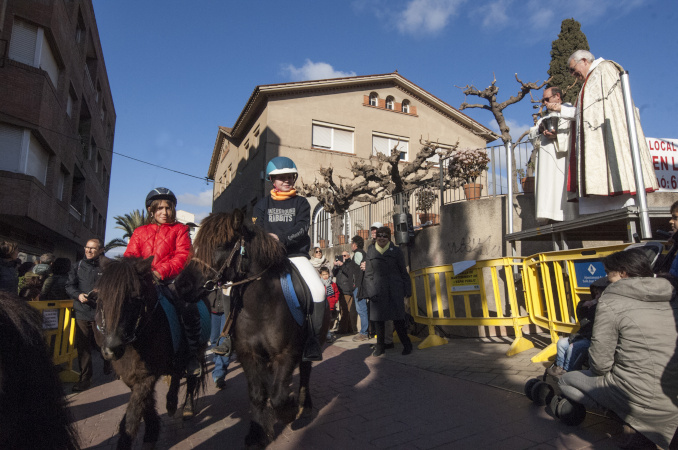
x,y
287,217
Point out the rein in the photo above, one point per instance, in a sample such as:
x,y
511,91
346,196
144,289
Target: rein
x,y
212,284
138,326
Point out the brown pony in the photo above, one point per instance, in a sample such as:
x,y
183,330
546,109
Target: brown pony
x,y
267,340
134,333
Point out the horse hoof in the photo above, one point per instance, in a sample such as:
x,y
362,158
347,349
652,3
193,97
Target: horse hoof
x,y
304,412
188,412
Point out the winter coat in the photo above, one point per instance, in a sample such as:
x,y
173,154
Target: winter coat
x,y
81,279
288,219
386,283
168,243
9,277
633,350
54,288
345,276
360,274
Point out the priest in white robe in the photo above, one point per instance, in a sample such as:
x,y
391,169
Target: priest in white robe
x,y
552,156
600,162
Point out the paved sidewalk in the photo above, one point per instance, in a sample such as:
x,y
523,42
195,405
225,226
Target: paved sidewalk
x,y
466,394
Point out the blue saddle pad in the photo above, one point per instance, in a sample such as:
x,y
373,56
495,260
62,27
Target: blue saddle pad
x,y
177,330
291,298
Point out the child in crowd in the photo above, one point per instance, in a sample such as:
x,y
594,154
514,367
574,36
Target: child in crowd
x,y
332,291
572,349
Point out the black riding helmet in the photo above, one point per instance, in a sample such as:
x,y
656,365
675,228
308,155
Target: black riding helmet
x,y
160,193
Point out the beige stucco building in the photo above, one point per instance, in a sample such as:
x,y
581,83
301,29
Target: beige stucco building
x,y
332,122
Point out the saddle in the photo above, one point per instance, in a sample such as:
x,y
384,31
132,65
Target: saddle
x,y
297,294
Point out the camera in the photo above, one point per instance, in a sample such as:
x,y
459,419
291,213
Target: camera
x,y
337,258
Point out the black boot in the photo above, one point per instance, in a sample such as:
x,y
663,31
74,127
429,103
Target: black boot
x,y
190,316
312,350
401,329
380,347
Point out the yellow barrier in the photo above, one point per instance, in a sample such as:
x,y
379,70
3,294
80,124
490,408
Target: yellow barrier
x,y
440,309
59,330
552,290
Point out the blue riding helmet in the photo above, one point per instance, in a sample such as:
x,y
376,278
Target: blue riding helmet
x,y
160,193
281,165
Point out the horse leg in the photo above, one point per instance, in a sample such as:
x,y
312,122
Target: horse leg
x,y
261,422
172,399
189,400
129,426
282,402
152,421
305,402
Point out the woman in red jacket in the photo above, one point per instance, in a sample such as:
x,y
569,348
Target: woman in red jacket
x,y
169,243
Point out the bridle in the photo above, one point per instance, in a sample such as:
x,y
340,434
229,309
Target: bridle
x,y
215,282
139,326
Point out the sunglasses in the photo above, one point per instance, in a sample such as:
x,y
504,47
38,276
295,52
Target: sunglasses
x,y
318,251
383,235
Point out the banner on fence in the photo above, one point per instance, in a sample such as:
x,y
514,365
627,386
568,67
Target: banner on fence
x,y
588,271
664,153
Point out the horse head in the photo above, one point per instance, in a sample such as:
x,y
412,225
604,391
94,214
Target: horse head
x,y
125,296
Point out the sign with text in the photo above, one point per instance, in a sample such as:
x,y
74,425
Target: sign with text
x,y
50,319
588,271
664,153
466,281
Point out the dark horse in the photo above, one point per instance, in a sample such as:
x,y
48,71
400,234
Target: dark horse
x,y
33,410
268,341
134,333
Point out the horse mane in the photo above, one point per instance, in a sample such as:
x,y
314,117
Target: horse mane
x,y
35,413
120,280
223,229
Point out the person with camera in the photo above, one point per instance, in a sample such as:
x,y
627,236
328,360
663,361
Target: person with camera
x,y
551,136
81,279
345,272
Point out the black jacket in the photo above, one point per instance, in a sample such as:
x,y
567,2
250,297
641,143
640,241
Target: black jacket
x,y
81,279
346,275
289,220
9,278
387,283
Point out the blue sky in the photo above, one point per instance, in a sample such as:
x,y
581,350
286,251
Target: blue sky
x,y
178,69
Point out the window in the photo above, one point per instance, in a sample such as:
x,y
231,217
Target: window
x,y
247,149
229,173
102,112
29,46
406,106
80,29
332,137
384,143
373,99
69,105
390,102
61,183
21,152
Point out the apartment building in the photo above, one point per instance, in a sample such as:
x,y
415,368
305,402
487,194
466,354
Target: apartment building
x,y
57,122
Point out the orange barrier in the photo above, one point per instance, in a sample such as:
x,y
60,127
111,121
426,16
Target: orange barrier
x,y
58,326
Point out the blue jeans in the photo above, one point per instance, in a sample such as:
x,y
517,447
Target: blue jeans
x,y
361,308
570,356
220,362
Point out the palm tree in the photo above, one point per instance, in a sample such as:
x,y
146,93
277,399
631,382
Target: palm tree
x,y
127,223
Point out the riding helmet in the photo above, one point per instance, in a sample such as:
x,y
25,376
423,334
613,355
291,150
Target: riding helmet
x,y
280,165
160,193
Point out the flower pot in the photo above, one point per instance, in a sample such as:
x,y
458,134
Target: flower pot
x,y
365,234
473,191
322,243
341,239
433,218
528,185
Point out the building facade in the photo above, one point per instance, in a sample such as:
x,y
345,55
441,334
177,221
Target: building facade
x,y
57,123
333,122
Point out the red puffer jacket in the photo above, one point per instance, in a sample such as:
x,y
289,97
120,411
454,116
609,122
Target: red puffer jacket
x,y
170,245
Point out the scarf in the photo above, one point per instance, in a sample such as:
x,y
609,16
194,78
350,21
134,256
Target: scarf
x,y
381,249
280,195
328,286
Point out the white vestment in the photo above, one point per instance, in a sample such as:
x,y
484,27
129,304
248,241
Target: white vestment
x,y
601,162
550,180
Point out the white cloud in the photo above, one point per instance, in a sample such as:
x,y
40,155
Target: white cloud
x,y
495,14
202,199
427,16
314,71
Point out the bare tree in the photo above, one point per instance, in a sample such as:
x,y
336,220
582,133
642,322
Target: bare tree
x,y
373,179
489,94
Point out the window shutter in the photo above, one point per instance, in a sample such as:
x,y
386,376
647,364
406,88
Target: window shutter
x,y
343,141
47,61
380,145
38,159
322,137
10,147
22,45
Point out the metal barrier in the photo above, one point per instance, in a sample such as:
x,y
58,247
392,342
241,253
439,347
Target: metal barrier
x,y
452,304
58,326
554,284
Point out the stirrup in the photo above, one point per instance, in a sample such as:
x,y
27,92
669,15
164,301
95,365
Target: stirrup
x,y
312,350
225,348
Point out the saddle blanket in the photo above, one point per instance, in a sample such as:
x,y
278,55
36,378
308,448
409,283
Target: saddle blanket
x,y
292,299
177,330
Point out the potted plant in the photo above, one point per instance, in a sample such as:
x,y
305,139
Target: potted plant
x,y
426,197
465,166
527,177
